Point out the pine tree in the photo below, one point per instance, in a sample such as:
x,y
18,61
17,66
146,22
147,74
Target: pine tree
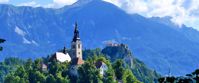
x,y
119,69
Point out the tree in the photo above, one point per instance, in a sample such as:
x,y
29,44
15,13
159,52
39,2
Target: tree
x,y
53,68
10,78
61,79
36,76
1,41
37,64
9,65
21,73
88,73
128,77
119,69
28,65
109,77
196,74
50,79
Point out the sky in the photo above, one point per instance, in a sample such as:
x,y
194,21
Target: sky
x,y
182,11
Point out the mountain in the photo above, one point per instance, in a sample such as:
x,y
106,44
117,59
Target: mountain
x,y
36,32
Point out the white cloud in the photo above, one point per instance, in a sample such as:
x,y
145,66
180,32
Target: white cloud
x,y
60,3
32,3
64,2
19,31
181,11
131,6
4,1
54,4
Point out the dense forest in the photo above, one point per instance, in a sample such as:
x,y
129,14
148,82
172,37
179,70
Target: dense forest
x,y
189,78
31,72
122,67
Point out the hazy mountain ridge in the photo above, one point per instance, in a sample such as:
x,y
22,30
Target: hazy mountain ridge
x,y
156,43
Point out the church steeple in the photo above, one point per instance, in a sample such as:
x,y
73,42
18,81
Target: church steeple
x,y
65,50
76,44
76,33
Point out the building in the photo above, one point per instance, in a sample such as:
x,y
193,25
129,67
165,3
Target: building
x,y
61,56
44,67
101,66
76,48
75,53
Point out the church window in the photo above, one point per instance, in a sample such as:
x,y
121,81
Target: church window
x,y
78,45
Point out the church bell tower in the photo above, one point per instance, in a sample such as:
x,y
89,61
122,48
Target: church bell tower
x,y
76,44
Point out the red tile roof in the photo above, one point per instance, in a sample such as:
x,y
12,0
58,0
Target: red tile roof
x,y
77,61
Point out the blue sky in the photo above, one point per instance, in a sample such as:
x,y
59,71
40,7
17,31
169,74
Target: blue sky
x,y
182,11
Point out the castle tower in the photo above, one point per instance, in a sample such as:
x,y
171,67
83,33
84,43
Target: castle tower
x,y
76,45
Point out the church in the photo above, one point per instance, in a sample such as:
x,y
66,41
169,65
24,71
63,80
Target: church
x,y
74,55
76,48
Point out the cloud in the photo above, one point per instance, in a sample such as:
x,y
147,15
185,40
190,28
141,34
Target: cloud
x,y
182,11
64,2
60,3
4,1
32,3
54,4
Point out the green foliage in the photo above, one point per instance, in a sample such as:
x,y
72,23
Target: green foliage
x,y
94,52
189,78
167,79
57,72
142,73
9,65
12,79
31,72
139,69
89,72
128,77
109,77
119,69
1,41
50,79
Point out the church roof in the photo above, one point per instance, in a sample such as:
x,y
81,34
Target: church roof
x,y
77,61
61,57
98,64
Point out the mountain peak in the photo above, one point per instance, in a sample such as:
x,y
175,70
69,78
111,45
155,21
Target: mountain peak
x,y
83,2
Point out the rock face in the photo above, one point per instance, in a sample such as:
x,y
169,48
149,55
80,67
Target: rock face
x,y
140,70
119,51
36,32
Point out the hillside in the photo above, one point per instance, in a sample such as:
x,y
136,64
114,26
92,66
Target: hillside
x,y
14,70
35,32
140,70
